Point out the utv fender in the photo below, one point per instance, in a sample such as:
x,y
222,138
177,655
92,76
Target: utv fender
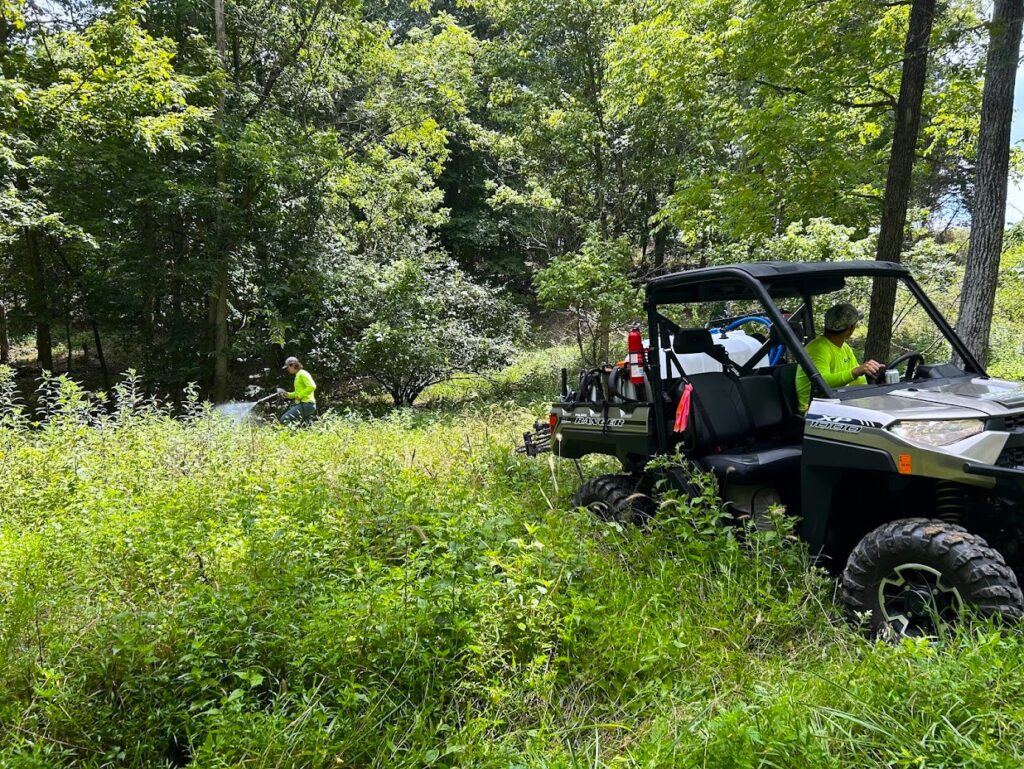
x,y
824,463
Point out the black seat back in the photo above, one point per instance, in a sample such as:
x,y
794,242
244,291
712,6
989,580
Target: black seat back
x,y
785,376
762,397
718,413
798,329
695,341
688,341
729,413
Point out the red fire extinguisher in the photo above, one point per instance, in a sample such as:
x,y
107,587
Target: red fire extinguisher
x,y
635,357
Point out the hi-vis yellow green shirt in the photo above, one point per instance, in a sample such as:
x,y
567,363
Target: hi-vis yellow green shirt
x,y
304,387
834,363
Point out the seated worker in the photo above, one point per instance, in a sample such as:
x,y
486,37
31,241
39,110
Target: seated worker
x,y
833,357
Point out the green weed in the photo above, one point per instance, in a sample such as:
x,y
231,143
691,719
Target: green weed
x,y
404,591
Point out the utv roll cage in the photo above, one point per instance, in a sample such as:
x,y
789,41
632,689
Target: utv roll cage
x,y
767,282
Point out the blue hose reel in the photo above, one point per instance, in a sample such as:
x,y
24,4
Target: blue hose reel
x,y
776,352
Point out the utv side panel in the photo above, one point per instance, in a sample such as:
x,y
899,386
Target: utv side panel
x,y
621,431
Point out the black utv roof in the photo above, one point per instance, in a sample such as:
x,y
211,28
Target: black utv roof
x,y
781,279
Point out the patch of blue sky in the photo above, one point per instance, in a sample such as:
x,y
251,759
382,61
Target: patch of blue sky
x,y
1015,193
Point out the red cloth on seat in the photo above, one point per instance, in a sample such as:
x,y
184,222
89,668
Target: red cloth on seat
x,y
683,410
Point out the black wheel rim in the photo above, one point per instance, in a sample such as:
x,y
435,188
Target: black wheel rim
x,y
916,600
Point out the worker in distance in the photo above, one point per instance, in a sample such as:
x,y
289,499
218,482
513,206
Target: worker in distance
x,y
303,408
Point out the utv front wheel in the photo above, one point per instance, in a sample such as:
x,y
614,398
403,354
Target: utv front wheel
x,y
615,498
916,574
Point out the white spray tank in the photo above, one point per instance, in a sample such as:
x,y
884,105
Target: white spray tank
x,y
740,346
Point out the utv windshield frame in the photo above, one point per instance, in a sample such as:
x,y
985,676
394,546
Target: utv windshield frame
x,y
766,282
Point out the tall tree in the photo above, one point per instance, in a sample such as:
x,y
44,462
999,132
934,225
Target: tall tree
x,y
569,154
901,166
782,112
70,97
989,215
221,274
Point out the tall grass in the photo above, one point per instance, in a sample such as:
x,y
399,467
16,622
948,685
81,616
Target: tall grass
x,y
405,592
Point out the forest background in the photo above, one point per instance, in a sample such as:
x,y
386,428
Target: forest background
x,y
397,191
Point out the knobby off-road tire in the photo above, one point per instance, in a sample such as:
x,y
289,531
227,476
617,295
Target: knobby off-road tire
x,y
917,573
615,498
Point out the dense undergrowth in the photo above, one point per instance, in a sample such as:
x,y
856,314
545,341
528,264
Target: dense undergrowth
x,y
405,592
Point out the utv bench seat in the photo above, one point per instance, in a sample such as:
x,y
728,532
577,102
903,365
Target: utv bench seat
x,y
741,428
755,467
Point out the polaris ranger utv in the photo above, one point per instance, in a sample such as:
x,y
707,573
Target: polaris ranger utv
x,y
911,486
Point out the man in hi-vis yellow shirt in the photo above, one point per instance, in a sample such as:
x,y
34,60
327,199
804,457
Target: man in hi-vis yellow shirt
x,y
833,357
303,407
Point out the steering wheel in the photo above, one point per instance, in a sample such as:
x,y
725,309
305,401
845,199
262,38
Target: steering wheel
x,y
912,359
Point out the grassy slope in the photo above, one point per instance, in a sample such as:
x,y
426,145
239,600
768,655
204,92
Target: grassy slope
x,y
406,592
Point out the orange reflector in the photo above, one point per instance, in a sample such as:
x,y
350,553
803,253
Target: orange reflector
x,y
552,419
906,466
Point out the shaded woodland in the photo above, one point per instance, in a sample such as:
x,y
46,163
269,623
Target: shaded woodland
x,y
195,191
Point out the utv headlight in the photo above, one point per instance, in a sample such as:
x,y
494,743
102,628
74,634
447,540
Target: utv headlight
x,y
940,432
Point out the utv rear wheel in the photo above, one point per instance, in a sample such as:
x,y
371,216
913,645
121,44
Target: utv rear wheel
x,y
916,574
615,498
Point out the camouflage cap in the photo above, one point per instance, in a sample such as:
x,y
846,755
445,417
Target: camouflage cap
x,y
841,317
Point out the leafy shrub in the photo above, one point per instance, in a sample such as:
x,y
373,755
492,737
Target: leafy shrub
x,y
418,321
531,376
593,285
406,592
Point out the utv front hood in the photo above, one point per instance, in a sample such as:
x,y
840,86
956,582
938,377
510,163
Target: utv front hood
x,y
994,397
958,399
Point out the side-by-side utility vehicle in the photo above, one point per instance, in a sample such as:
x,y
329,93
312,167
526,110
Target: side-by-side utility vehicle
x,y
911,486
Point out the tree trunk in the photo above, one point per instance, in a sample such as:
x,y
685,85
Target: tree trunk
x,y
604,333
660,242
99,353
989,216
151,250
650,209
661,236
580,339
5,340
38,301
220,328
86,308
901,165
220,29
67,338
178,256
219,298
